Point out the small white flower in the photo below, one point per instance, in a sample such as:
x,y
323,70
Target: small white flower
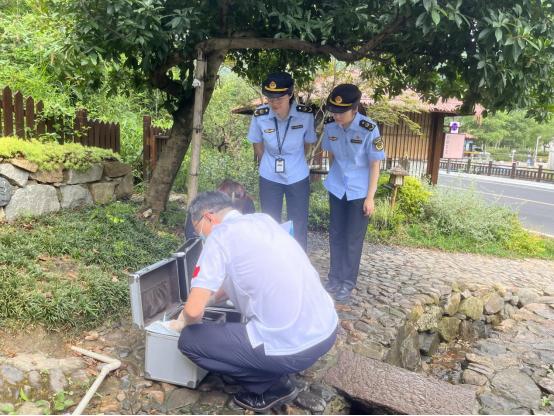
x,y
196,83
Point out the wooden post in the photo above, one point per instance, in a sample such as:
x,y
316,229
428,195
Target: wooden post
x,y
146,123
19,113
489,171
435,147
7,111
192,185
539,173
448,165
513,173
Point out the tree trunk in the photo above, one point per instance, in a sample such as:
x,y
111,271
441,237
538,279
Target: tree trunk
x,y
178,143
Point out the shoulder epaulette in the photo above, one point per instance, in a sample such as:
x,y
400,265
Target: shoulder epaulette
x,y
328,120
367,125
261,111
304,108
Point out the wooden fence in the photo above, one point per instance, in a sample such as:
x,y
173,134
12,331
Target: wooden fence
x,y
23,118
490,169
154,140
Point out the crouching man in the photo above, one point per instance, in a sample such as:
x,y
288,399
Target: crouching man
x,y
290,318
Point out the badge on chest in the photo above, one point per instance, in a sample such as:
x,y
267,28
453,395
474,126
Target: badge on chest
x,y
279,165
356,140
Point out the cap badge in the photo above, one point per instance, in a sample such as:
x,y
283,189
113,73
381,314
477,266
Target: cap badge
x,y
272,84
338,99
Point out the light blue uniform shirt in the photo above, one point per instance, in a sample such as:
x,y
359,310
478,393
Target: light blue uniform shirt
x,y
353,150
301,130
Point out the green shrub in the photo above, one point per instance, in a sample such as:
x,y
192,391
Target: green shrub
x,y
385,221
412,198
49,156
318,214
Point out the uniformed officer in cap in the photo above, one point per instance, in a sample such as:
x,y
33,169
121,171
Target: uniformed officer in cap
x,y
280,132
354,142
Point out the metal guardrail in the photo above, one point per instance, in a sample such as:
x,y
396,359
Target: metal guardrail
x,y
490,169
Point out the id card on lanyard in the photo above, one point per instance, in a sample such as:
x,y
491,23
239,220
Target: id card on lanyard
x,y
279,161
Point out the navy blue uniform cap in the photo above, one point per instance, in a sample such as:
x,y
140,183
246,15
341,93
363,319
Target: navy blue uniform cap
x,y
277,84
343,98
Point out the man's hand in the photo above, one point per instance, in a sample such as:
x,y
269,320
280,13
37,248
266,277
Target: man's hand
x,y
369,206
176,324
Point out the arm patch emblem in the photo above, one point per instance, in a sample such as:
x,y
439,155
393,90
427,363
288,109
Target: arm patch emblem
x,y
379,145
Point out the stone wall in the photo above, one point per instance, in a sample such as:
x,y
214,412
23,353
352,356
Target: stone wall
x,y
27,190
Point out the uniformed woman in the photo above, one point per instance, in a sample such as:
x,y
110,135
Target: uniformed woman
x,y
356,149
280,131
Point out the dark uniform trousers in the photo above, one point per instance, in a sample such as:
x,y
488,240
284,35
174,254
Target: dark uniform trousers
x,y
224,348
298,199
347,229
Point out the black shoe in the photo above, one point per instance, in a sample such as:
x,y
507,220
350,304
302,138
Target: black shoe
x,y
343,294
276,395
332,286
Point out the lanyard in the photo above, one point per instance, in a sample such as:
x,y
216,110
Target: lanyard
x,y
279,142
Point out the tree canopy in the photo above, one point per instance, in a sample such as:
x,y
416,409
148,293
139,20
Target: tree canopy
x,y
495,52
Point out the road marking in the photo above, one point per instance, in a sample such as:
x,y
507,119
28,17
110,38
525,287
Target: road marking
x,y
501,196
514,185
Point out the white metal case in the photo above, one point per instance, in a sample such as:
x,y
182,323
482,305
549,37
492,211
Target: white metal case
x,y
158,293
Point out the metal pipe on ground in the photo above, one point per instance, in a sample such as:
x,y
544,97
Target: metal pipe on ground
x,y
111,365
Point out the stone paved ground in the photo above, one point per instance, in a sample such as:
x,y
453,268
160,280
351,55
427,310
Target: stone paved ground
x,y
498,315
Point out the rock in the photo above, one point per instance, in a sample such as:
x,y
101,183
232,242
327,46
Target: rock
x,y
509,310
32,200
493,404
549,300
527,296
6,191
182,397
472,307
404,351
323,391
466,294
11,374
7,408
452,304
474,378
370,349
449,328
25,165
93,174
57,380
430,319
481,369
549,290
115,169
337,406
428,343
214,398
74,196
515,385
157,396
547,383
30,408
467,331
120,396
48,176
2,215
494,320
489,347
544,311
493,303
34,378
311,402
102,192
92,336
124,189
500,289
14,175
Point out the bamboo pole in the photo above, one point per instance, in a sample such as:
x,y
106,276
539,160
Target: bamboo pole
x,y
192,185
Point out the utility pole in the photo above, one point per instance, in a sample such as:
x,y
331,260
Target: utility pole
x,y
536,150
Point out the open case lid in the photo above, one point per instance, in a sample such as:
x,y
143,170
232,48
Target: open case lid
x,y
187,257
155,291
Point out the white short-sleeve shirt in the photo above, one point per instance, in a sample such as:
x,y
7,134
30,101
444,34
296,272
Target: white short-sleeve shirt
x,y
270,279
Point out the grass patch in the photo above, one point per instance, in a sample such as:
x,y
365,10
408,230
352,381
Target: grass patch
x,y
50,156
67,270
